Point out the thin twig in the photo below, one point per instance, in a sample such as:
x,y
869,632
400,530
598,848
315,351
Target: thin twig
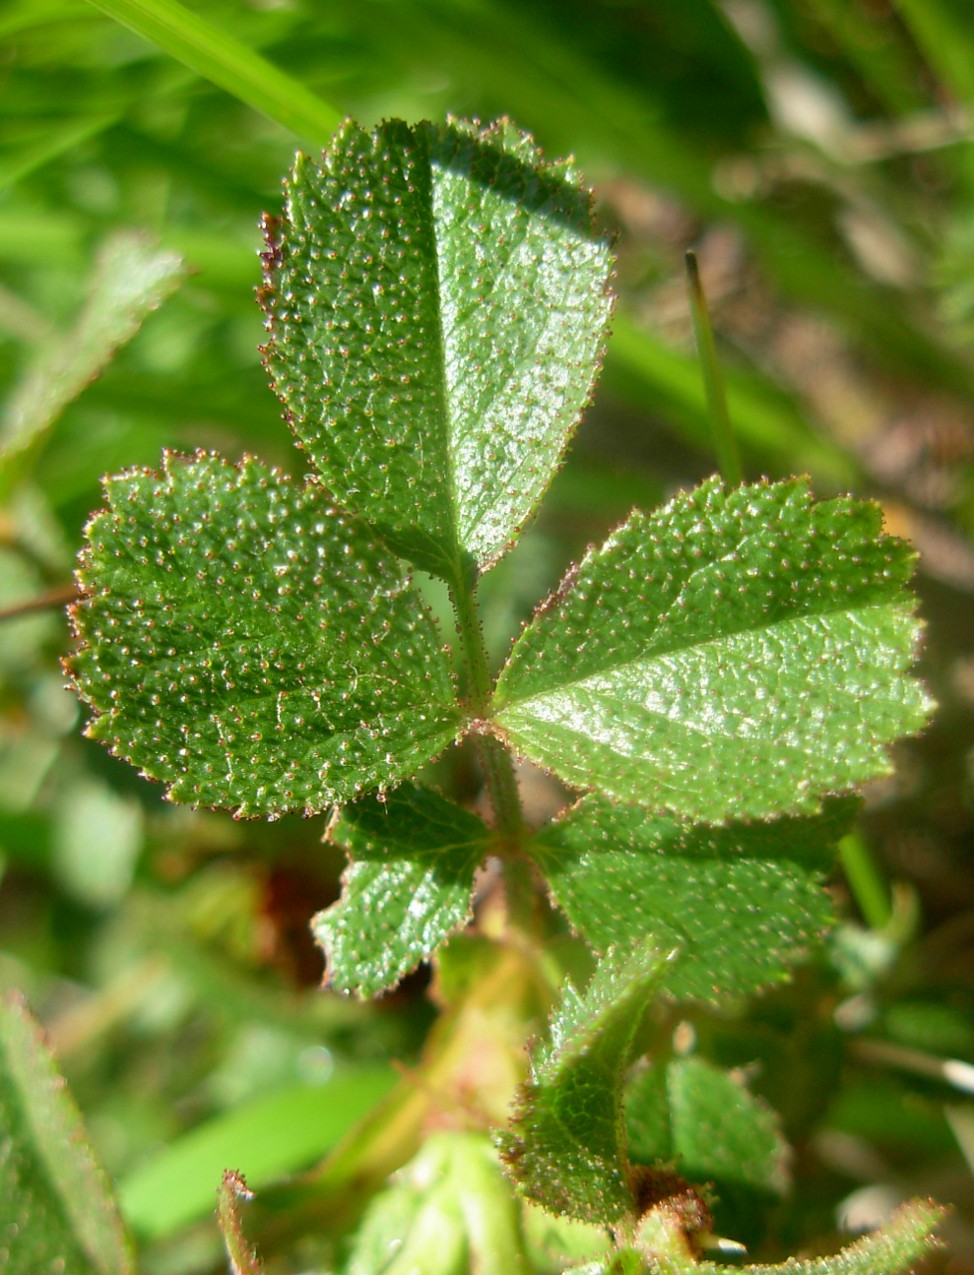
x,y
58,597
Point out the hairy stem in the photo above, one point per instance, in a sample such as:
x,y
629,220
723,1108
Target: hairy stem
x,y
497,763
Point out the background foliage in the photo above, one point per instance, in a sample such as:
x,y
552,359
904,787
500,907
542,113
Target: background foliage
x,y
818,155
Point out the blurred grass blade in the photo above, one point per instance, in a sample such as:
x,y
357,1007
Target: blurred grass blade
x,y
273,1135
643,370
56,1212
725,445
131,279
869,889
885,65
945,39
54,143
218,57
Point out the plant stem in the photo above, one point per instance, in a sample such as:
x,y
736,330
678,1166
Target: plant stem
x,y
496,760
497,763
725,444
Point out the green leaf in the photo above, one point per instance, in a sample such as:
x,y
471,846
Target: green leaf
x,y
436,300
625,1261
738,654
741,904
408,887
250,645
706,1123
450,1211
558,1241
131,279
276,1134
566,1149
56,1211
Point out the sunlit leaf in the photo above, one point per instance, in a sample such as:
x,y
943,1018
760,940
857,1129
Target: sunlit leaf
x,y
737,654
251,646
436,302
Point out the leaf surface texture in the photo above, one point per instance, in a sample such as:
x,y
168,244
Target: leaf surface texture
x,y
735,655
250,645
740,904
408,886
705,1122
566,1148
436,301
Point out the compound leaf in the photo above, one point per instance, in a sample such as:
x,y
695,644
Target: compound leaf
x,y
736,655
56,1211
741,904
436,300
407,888
250,645
567,1149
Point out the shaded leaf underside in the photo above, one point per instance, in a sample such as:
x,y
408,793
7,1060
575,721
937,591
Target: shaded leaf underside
x,y
740,904
250,645
436,304
736,654
408,886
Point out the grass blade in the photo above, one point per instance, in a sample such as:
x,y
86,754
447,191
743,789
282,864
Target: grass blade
x,y
218,57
